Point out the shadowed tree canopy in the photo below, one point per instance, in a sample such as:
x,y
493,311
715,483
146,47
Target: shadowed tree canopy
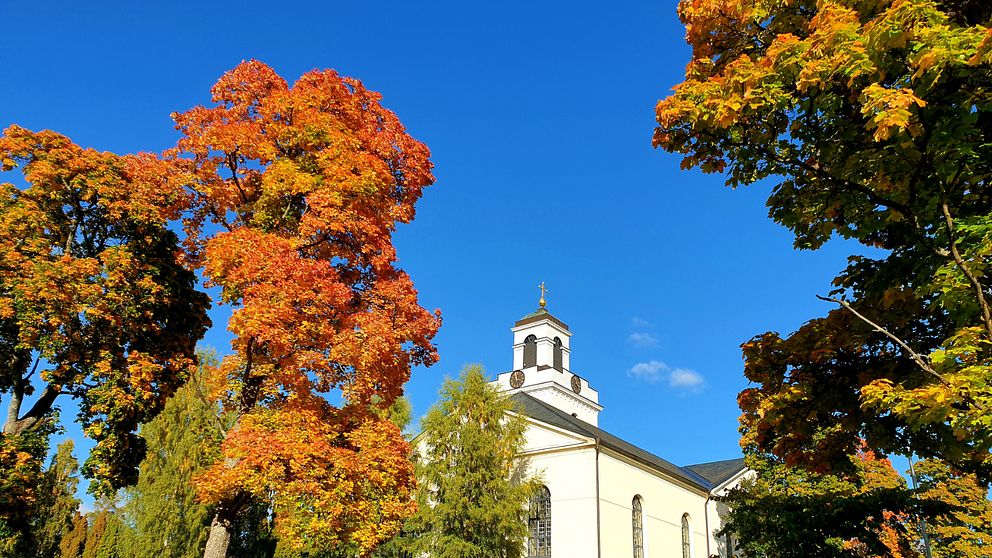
x,y
94,304
788,512
872,121
298,191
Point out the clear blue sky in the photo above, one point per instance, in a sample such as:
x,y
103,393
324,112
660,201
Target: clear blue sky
x,y
539,116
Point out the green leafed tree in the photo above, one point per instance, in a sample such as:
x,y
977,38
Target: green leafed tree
x,y
789,512
117,541
472,490
871,120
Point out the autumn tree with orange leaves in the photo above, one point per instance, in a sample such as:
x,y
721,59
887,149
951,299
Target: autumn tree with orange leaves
x,y
298,190
871,120
94,305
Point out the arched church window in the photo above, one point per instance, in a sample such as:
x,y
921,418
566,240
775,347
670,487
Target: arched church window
x,y
637,521
557,361
539,524
686,543
530,351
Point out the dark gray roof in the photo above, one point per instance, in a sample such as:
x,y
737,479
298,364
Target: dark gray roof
x,y
543,412
718,472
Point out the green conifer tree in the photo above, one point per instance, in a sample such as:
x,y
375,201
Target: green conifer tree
x,y
56,505
117,540
163,508
472,489
73,544
95,533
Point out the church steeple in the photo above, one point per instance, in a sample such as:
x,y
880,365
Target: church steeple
x,y
542,365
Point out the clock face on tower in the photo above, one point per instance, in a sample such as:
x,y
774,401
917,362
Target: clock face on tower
x,y
516,379
576,384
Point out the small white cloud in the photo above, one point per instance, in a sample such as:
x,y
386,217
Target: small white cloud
x,y
683,380
687,380
639,323
651,372
642,339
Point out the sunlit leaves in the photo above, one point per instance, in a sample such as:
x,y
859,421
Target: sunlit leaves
x,y
91,289
473,485
298,189
872,120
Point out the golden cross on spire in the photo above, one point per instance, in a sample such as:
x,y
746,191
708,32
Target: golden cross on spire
x,y
544,291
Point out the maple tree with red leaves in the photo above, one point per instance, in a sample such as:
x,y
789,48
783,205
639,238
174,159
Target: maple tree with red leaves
x,y
298,190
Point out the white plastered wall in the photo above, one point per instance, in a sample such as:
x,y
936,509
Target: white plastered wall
x,y
718,516
566,463
663,503
545,331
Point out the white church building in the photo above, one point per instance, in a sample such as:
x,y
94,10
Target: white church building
x,y
603,497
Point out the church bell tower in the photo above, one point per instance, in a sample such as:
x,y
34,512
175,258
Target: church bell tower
x,y
542,366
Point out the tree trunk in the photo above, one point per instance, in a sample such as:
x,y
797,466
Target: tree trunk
x,y
34,417
18,365
220,535
222,525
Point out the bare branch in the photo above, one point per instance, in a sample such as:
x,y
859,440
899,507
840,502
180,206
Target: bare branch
x,y
34,368
920,361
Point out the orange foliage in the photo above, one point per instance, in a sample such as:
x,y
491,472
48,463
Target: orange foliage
x,y
304,186
90,287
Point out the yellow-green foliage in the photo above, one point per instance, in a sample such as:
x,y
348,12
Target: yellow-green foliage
x,y
471,492
871,120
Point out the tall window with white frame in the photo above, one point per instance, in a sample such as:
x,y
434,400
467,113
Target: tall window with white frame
x,y
686,532
637,523
539,524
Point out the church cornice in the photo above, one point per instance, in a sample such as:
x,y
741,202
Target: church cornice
x,y
537,317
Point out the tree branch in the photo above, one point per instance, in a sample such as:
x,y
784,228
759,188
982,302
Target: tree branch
x,y
33,418
34,368
203,398
249,392
979,291
17,365
232,163
920,361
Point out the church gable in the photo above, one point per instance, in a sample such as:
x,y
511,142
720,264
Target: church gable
x,y
545,437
